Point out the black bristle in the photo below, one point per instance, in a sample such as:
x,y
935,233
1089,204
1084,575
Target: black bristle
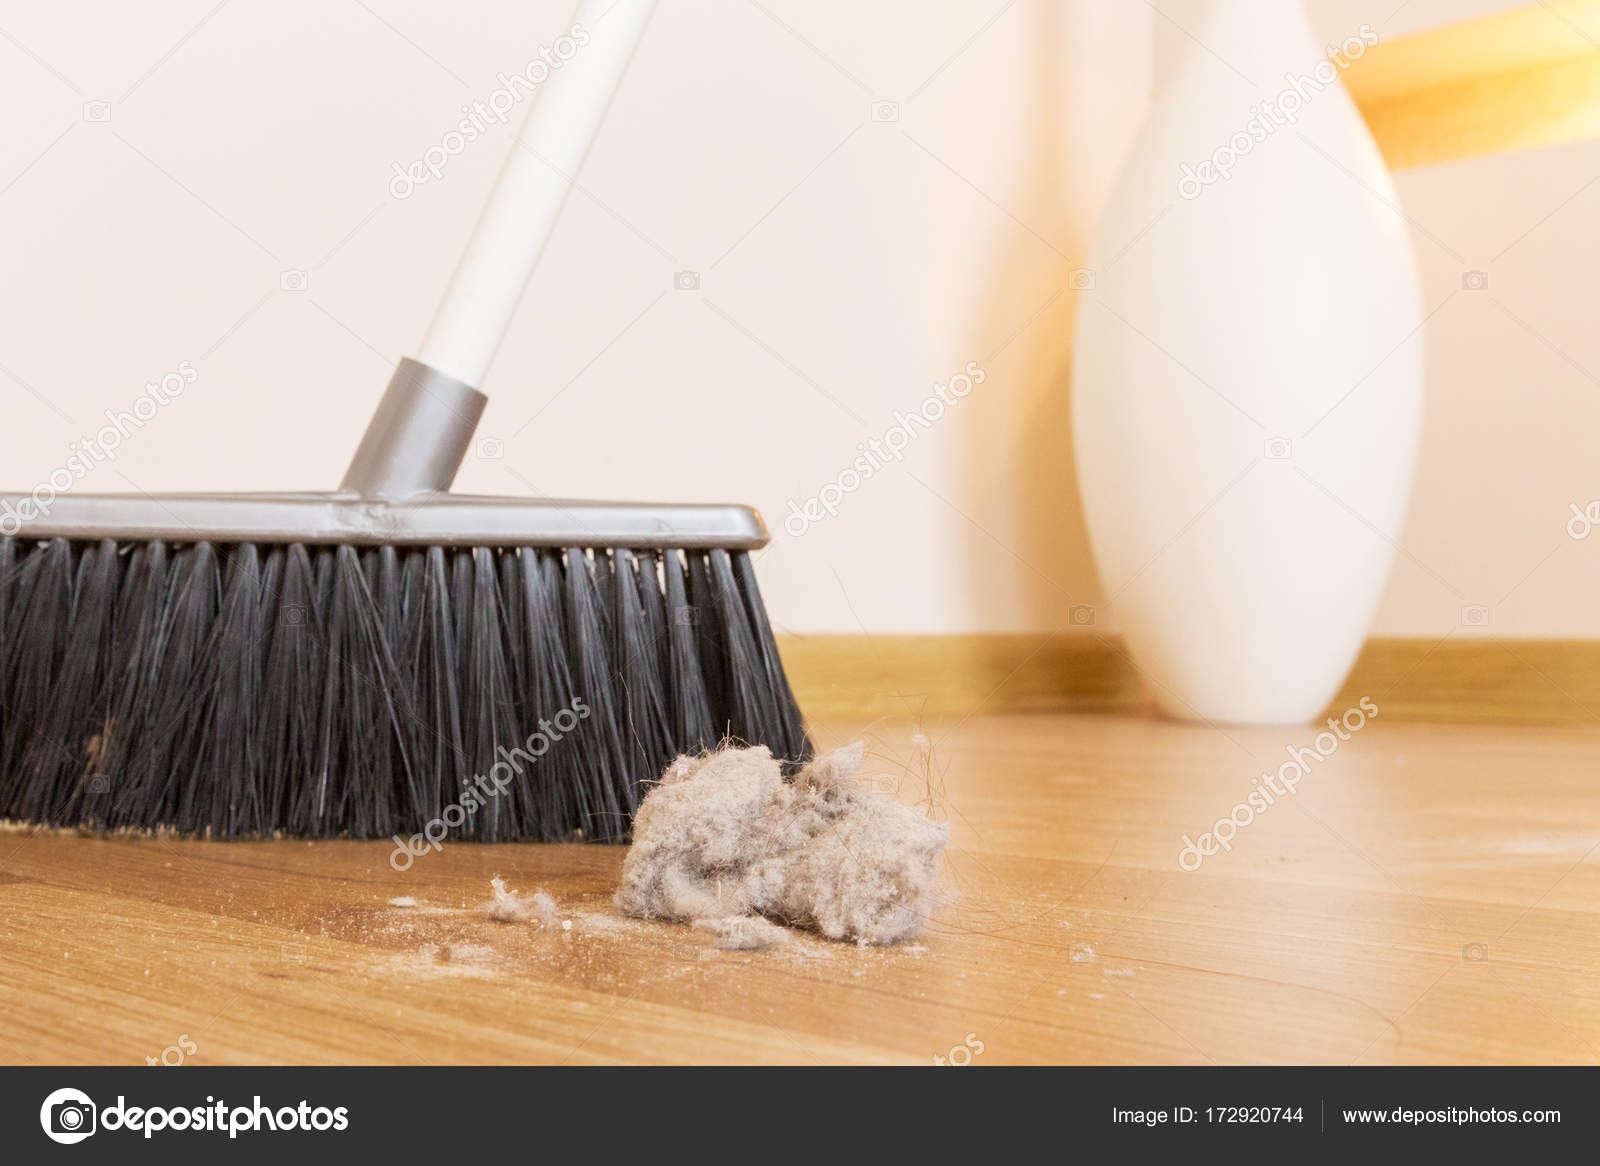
x,y
220,791
753,707
787,732
710,644
565,782
519,677
76,702
243,690
194,592
487,691
362,760
692,725
40,623
636,648
388,579
616,785
141,635
8,576
441,750
289,710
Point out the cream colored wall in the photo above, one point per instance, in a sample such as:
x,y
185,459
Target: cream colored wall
x,y
1514,375
845,265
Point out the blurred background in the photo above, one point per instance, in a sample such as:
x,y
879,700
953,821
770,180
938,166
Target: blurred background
x,y
800,217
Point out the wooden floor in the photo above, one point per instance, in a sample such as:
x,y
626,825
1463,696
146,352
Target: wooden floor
x,y
1430,894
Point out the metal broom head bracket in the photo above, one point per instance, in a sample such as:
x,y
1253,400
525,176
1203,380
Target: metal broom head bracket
x,y
395,492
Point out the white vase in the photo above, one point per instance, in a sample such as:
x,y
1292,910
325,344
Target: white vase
x,y
1248,376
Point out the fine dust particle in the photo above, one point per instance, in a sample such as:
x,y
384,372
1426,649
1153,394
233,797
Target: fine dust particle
x,y
1067,923
1097,995
467,960
404,901
743,932
465,952
1083,954
566,925
1119,971
509,907
599,922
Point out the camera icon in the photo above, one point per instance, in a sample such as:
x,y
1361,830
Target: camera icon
x,y
686,616
98,783
1475,616
292,615
1278,449
686,281
491,449
294,280
1475,953
97,111
1082,616
1081,279
1474,281
72,1117
67,1116
885,111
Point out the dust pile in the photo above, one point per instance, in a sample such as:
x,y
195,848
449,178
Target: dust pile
x,y
725,838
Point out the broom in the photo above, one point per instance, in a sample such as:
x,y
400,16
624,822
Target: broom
x,y
380,659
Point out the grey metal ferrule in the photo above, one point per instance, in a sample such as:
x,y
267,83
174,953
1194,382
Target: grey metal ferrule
x,y
418,437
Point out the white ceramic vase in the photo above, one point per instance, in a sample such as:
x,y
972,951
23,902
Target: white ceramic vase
x,y
1248,375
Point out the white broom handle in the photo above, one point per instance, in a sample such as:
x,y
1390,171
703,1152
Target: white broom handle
x,y
521,214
